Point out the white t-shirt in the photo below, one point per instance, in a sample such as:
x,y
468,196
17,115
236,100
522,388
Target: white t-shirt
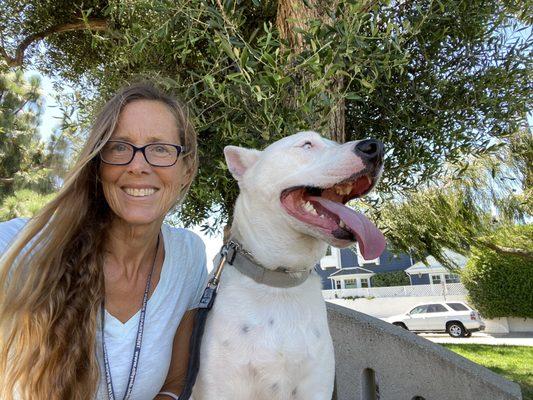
x,y
183,279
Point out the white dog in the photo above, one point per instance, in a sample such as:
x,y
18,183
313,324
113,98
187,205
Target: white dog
x,y
264,339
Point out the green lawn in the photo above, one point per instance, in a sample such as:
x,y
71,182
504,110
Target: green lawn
x,y
513,362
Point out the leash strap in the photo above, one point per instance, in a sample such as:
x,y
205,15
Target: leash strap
x,y
205,305
138,341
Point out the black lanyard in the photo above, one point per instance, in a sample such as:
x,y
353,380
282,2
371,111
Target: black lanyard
x,y
138,340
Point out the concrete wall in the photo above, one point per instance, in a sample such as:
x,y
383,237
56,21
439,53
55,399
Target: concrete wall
x,y
376,360
520,324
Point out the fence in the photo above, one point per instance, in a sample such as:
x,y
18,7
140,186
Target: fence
x,y
444,289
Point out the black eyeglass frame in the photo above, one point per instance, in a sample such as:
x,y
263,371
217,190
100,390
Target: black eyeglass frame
x,y
181,151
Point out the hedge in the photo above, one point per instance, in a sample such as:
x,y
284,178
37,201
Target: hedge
x,y
395,278
501,284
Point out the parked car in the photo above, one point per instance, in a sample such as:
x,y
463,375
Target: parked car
x,y
453,317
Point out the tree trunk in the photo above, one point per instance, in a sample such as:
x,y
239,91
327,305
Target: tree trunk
x,y
294,14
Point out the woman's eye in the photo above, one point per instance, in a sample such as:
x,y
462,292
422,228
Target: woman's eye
x,y
160,149
119,147
307,145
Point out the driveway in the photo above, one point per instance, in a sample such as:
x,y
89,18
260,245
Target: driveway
x,y
514,339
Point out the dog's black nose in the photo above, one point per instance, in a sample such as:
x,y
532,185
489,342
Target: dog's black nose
x,y
370,150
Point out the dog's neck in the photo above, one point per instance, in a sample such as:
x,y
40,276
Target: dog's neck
x,y
272,247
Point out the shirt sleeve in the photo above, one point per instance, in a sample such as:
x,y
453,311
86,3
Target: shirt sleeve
x,y
199,281
9,231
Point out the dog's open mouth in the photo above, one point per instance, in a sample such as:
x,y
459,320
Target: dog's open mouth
x,y
324,208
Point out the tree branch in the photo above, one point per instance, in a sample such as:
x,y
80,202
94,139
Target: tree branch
x,y
507,250
93,24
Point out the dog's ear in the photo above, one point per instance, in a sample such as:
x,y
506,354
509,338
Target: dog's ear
x,y
240,159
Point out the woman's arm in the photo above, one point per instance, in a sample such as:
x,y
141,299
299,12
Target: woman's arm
x,y
177,372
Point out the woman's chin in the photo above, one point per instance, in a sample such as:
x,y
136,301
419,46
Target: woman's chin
x,y
140,219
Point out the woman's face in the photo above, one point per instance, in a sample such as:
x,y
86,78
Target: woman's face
x,y
139,193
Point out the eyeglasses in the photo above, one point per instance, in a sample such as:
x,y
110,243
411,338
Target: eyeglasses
x,y
116,152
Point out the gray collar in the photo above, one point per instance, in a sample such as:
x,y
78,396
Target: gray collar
x,y
281,277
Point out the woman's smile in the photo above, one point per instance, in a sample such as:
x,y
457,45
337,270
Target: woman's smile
x,y
140,191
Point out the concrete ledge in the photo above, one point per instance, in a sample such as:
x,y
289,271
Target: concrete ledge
x,y
375,360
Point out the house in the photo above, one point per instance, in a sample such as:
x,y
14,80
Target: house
x,y
346,268
433,272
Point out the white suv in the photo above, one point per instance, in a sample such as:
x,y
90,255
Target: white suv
x,y
454,317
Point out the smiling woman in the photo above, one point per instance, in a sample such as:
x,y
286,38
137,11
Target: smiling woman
x,y
146,139
97,295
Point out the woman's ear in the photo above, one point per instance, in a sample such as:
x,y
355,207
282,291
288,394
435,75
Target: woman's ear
x,y
240,159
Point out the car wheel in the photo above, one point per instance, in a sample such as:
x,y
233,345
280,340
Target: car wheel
x,y
400,324
456,330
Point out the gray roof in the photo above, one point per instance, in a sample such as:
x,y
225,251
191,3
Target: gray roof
x,y
432,266
352,271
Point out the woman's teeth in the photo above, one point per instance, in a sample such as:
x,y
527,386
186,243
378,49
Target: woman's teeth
x,y
139,192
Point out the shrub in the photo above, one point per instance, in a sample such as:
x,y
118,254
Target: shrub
x,y
500,284
395,278
23,203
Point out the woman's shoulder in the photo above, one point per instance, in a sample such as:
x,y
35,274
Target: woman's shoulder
x,y
182,238
9,230
14,225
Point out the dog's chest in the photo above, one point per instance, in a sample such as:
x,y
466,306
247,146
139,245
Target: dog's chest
x,y
270,338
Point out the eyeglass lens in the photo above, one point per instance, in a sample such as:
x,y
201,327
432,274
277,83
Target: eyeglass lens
x,y
156,154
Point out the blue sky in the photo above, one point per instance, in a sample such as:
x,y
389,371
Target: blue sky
x,y
51,117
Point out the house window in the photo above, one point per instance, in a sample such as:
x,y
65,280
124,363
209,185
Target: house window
x,y
350,283
364,282
338,284
362,261
435,279
452,278
328,251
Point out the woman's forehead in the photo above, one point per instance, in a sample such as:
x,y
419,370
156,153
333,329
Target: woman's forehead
x,y
146,121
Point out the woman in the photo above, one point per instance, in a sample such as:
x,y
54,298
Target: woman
x,y
97,295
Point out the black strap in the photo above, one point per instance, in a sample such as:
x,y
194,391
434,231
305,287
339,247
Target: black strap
x,y
206,303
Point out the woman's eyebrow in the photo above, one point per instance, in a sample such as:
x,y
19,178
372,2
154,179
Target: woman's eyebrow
x,y
149,139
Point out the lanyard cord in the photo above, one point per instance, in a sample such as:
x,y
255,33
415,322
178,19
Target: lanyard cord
x,y
138,340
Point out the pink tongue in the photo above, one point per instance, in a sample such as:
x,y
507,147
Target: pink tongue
x,y
371,240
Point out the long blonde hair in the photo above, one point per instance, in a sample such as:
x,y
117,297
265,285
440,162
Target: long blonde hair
x,y
51,277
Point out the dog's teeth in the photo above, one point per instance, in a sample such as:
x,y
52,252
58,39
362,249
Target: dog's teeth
x,y
342,224
343,189
309,208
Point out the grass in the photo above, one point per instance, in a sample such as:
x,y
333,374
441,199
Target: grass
x,y
513,362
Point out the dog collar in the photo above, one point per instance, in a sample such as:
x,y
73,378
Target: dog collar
x,y
280,277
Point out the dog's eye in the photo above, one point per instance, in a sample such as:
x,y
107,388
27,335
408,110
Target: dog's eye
x,y
307,145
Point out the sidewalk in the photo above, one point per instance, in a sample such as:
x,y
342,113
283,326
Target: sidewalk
x,y
498,339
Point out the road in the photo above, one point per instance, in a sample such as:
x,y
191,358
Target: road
x,y
514,339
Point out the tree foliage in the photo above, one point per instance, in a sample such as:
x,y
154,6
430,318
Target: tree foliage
x,y
22,155
475,199
23,203
29,169
499,285
435,80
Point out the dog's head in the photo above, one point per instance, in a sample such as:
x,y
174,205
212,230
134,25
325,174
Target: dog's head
x,y
304,181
